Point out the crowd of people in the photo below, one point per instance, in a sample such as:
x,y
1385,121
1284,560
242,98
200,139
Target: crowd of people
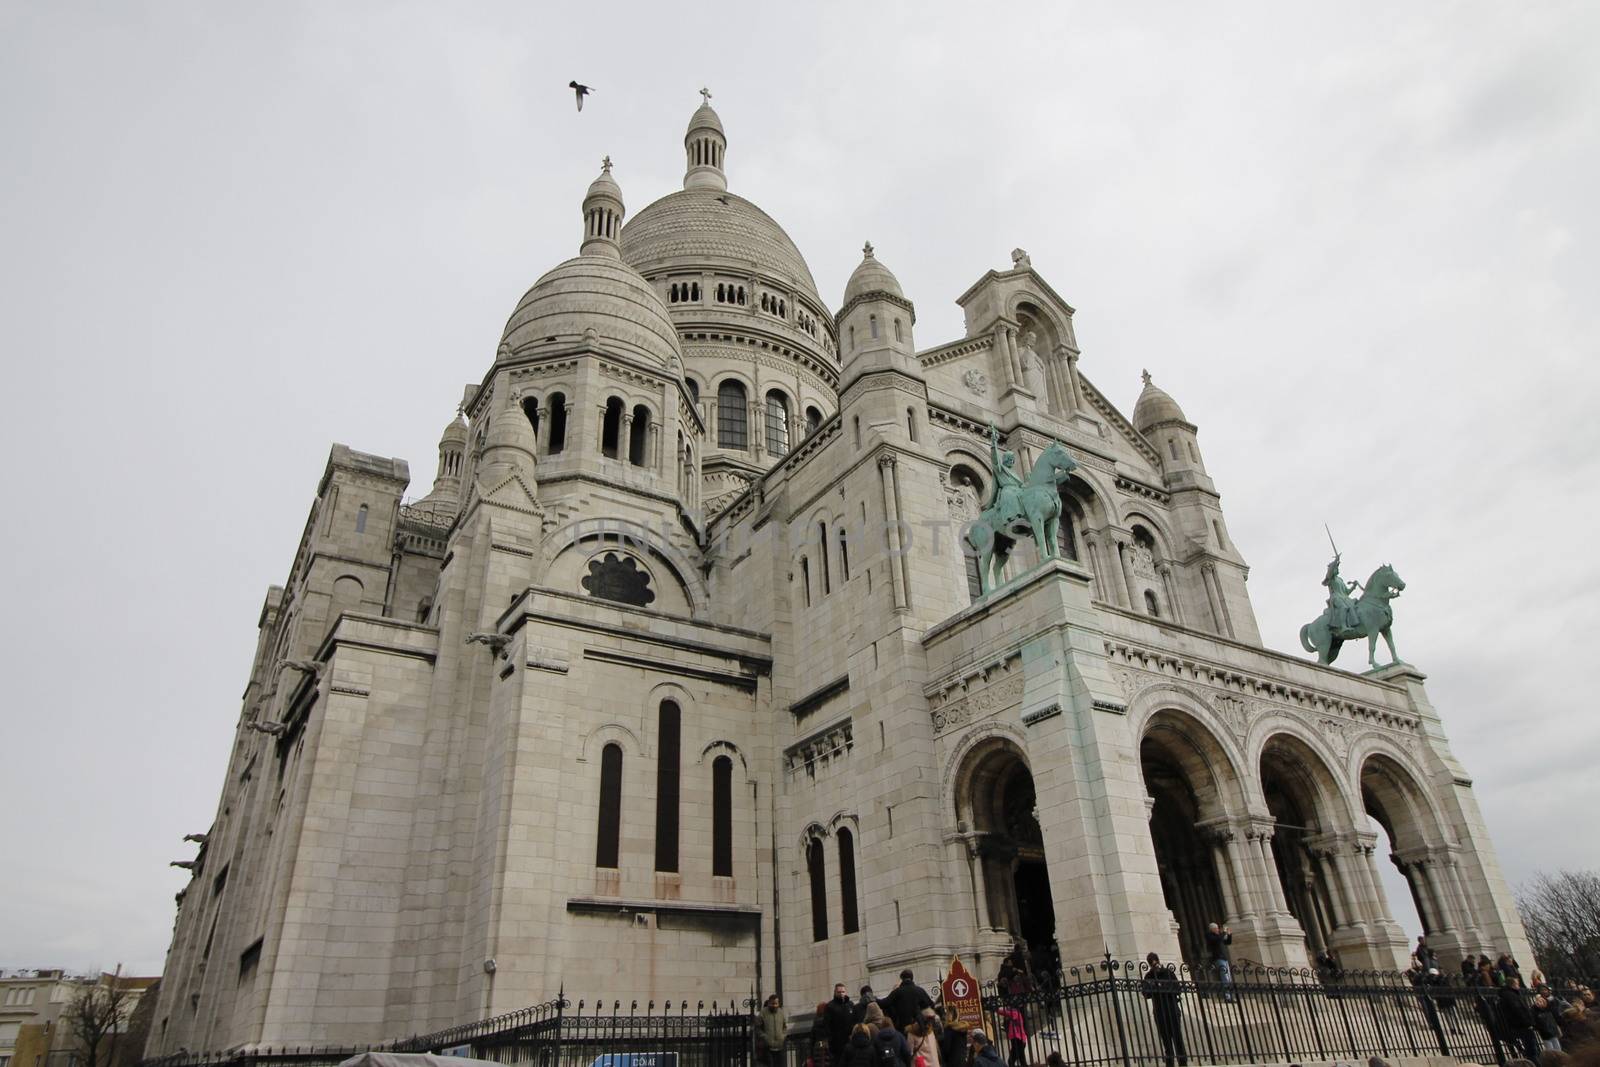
x,y
1534,1021
903,1029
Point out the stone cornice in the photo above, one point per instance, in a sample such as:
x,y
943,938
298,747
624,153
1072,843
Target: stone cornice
x,y
1163,663
947,353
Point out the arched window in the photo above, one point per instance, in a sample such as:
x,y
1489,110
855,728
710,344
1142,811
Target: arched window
x,y
672,293
611,429
741,296
1172,447
694,291
530,408
668,742
765,301
639,436
872,324
720,289
819,890
1150,605
733,417
777,423
361,519
847,880
813,420
609,830
897,329
844,556
558,423
722,817
805,580
822,551
852,338
1194,457
694,390
911,423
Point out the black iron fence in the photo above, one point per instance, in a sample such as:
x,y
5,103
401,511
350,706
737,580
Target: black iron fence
x,y
1123,1013
558,1033
1112,1013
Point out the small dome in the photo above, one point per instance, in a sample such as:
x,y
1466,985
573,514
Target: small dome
x,y
509,429
605,185
871,277
704,118
456,431
599,298
1155,407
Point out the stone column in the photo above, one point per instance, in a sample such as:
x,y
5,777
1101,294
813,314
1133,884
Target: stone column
x,y
1003,353
891,511
1072,380
625,436
655,455
1262,838
1219,858
1219,607
1014,358
542,436
1062,365
1170,585
1125,555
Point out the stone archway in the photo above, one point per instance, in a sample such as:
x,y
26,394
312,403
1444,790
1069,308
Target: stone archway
x,y
1186,777
996,799
1391,795
1301,796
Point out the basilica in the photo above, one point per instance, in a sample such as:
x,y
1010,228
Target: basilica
x,y
682,679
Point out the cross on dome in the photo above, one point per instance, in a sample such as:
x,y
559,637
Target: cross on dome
x,y
705,95
866,249
605,165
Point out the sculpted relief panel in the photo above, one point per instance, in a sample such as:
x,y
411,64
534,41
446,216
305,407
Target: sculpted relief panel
x,y
979,695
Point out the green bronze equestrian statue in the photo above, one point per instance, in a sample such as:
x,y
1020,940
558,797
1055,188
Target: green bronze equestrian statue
x,y
1019,507
1347,619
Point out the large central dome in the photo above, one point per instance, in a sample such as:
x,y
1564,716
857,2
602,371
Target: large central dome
x,y
708,228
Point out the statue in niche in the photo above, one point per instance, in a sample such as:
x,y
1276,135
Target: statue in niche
x,y
1032,368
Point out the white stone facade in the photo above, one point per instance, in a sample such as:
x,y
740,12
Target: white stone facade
x,y
675,686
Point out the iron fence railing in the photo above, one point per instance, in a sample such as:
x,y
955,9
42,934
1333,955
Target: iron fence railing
x,y
1111,1013
1117,1013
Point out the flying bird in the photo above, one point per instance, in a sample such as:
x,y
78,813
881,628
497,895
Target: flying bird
x,y
580,91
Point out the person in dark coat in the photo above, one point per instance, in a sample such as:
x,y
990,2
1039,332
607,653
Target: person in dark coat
x,y
906,1002
1516,1012
1218,938
859,1051
1160,988
953,1044
984,1054
839,1020
889,1046
867,1000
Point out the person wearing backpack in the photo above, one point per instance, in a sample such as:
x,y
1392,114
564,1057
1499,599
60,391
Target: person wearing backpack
x,y
859,1051
890,1048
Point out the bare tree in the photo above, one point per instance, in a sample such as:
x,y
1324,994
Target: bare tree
x,y
1561,913
95,1017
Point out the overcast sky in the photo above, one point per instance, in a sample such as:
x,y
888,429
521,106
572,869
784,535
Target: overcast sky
x,y
1353,240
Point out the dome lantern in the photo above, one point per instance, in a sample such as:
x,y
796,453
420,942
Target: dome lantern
x,y
704,146
603,213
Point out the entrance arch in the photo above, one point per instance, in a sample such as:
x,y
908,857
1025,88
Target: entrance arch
x,y
1391,795
1303,798
996,799
1187,777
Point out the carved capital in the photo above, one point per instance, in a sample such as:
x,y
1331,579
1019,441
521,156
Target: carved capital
x,y
888,459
